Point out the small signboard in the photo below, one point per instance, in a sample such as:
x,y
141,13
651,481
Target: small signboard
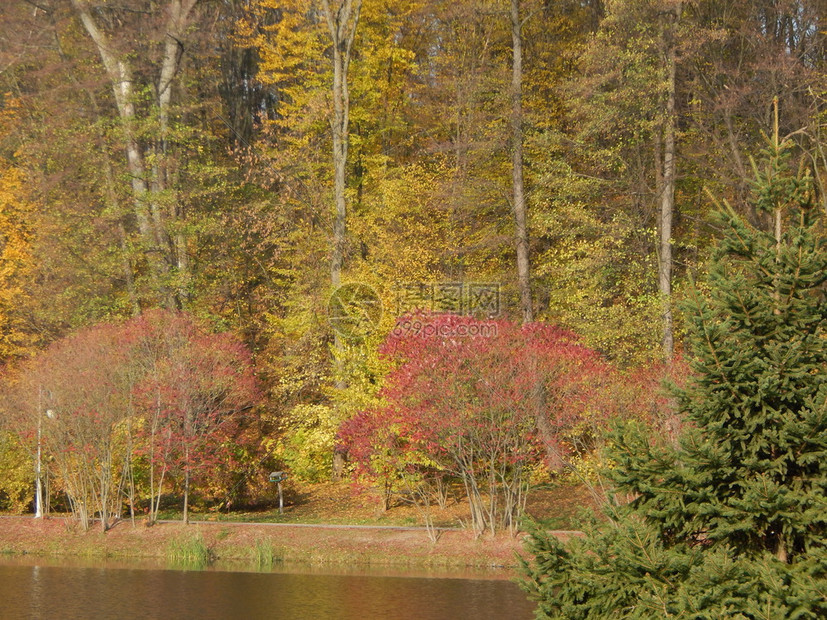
x,y
278,476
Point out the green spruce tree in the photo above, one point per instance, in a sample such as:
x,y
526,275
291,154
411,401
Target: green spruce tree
x,y
733,522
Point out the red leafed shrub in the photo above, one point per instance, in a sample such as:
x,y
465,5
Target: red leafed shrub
x,y
159,390
191,386
483,401
79,398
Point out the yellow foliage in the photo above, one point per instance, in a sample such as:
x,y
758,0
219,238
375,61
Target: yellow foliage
x,y
15,252
16,474
406,225
307,447
584,467
292,57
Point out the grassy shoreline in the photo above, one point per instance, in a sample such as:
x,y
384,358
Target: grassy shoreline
x,y
258,545
324,525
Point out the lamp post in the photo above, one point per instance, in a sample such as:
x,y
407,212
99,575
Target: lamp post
x,y
38,493
38,498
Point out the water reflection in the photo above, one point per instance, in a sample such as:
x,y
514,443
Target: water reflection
x,y
40,591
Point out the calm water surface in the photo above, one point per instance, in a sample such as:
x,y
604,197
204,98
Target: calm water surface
x,y
38,590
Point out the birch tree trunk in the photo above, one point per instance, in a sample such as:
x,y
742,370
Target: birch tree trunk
x,y
179,14
667,197
146,185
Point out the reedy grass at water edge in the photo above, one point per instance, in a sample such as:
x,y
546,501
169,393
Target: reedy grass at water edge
x,y
265,555
188,551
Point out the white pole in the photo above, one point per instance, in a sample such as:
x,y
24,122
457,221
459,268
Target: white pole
x,y
38,498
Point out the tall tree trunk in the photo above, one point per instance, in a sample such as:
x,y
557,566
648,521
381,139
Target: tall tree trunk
x,y
159,250
176,249
667,198
521,231
120,75
111,194
778,226
342,20
541,420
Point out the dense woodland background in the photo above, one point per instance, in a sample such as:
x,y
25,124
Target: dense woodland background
x,y
190,155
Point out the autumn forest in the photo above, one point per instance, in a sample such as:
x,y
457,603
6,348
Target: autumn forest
x,y
400,242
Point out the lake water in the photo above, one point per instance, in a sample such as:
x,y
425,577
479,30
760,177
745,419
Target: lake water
x,y
39,589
